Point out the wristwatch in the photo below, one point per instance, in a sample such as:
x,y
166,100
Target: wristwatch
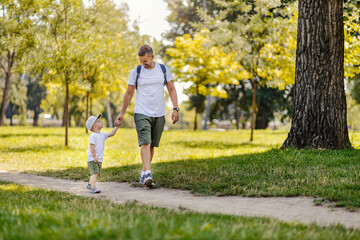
x,y
176,109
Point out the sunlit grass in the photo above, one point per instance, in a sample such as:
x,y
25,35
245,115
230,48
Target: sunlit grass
x,y
28,213
204,162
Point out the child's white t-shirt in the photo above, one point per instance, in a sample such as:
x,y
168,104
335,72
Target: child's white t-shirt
x,y
99,140
150,90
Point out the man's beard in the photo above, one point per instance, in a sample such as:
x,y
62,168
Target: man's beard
x,y
148,65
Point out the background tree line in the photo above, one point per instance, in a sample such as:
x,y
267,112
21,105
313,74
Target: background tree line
x,y
70,58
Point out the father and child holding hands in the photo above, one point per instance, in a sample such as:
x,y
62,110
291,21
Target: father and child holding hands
x,y
148,79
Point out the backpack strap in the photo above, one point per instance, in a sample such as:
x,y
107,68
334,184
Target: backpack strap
x,y
164,72
138,70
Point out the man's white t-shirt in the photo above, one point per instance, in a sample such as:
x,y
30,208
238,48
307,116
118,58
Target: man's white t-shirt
x,y
150,90
99,140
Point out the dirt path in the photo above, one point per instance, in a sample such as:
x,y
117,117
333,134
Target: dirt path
x,y
299,209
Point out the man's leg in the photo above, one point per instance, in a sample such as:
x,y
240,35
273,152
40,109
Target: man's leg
x,y
152,153
146,156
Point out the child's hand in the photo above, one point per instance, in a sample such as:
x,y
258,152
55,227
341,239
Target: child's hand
x,y
96,159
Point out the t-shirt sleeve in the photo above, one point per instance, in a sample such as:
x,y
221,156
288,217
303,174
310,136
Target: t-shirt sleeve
x,y
92,139
169,76
106,135
132,77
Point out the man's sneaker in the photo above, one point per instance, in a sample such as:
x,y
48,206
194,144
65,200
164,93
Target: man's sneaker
x,y
88,186
148,180
142,179
94,190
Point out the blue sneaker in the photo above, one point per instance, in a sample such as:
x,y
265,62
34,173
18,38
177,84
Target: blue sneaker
x,y
88,186
142,179
94,190
148,180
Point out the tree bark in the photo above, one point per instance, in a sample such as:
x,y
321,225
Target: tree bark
x,y
36,116
239,114
195,119
253,108
67,112
207,111
87,109
319,107
10,62
108,112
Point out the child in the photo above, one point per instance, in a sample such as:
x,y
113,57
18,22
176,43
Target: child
x,y
96,149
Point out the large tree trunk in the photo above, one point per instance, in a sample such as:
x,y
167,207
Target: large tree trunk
x,y
319,107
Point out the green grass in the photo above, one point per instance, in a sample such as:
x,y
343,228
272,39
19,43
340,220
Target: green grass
x,y
28,213
204,162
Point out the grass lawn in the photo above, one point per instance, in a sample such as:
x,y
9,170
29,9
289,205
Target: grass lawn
x,y
28,213
204,162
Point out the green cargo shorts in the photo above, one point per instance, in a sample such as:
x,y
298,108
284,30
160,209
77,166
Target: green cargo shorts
x,y
149,129
94,167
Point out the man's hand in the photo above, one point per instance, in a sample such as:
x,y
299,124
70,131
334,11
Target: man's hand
x,y
175,116
96,159
118,120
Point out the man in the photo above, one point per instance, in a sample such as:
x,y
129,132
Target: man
x,y
149,110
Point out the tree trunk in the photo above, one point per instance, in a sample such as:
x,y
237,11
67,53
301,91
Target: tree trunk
x,y
87,109
67,112
90,106
207,112
319,107
253,108
11,113
36,116
239,115
10,62
108,112
195,119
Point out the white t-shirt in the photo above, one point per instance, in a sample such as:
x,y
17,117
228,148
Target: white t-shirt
x,y
99,140
150,90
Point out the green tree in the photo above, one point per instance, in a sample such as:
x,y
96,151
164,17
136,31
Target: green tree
x,y
262,37
16,39
64,21
207,67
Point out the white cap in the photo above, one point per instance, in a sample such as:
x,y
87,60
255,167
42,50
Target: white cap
x,y
90,122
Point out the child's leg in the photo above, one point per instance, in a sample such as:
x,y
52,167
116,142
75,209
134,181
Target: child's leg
x,y
93,179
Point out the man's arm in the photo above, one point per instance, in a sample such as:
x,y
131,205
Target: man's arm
x,y
126,101
173,97
112,133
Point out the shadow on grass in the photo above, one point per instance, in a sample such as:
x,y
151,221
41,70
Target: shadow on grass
x,y
40,134
330,175
31,135
37,148
219,145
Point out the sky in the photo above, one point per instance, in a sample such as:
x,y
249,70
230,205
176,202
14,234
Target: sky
x,y
151,16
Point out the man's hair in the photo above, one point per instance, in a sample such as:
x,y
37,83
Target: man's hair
x,y
145,49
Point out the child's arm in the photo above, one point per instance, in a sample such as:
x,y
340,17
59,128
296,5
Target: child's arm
x,y
92,149
112,133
